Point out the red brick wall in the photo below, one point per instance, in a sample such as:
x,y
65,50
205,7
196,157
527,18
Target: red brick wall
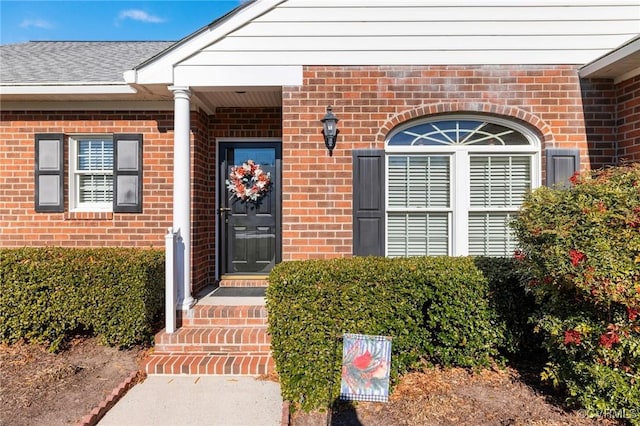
x,y
599,98
21,226
370,101
628,116
202,202
246,123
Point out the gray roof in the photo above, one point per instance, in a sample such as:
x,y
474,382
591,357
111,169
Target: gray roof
x,y
41,62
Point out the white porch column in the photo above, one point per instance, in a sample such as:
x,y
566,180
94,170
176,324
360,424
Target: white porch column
x,y
182,194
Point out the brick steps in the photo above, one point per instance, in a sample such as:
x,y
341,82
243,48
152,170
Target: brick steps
x,y
244,282
215,340
220,315
249,364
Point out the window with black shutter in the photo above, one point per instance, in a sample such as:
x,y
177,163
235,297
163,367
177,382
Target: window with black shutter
x,y
105,173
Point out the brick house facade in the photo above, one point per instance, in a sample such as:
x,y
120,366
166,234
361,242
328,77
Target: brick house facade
x,y
590,120
628,117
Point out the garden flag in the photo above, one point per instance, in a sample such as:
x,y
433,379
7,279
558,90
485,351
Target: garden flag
x,y
366,361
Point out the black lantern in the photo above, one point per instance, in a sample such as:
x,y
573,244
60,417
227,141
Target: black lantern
x,y
330,130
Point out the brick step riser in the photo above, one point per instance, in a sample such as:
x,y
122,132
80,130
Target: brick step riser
x,y
229,311
224,316
223,322
244,283
217,349
218,336
208,364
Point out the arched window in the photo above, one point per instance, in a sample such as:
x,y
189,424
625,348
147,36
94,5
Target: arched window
x,y
454,183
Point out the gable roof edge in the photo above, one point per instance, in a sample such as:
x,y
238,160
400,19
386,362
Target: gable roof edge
x,y
159,69
618,64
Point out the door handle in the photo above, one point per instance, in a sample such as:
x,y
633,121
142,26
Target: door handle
x,y
222,210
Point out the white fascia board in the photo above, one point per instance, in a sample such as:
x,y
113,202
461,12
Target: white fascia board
x,y
610,58
68,89
130,76
626,76
275,75
74,105
160,71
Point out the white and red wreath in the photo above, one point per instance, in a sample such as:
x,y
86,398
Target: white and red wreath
x,y
248,181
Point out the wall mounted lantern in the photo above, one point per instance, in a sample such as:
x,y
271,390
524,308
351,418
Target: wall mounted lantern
x,y
330,130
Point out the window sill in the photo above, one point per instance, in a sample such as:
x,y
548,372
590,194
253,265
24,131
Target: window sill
x,y
88,216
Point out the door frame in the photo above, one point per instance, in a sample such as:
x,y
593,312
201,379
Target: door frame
x,y
220,177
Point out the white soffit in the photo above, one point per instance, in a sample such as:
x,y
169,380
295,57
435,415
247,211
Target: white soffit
x,y
211,98
619,65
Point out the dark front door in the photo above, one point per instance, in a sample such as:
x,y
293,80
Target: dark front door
x,y
249,220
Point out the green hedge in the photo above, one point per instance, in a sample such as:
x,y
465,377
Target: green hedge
x,y
581,259
436,309
513,306
47,294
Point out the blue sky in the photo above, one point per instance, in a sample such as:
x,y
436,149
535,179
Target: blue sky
x,y
88,20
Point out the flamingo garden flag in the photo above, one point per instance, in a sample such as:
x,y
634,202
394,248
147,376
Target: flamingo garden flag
x,y
366,361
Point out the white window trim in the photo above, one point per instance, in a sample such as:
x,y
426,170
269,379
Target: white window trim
x,y
460,173
74,196
460,176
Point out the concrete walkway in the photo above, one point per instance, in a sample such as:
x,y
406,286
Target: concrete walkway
x,y
198,400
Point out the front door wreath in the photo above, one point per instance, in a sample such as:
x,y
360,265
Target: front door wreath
x,y
248,181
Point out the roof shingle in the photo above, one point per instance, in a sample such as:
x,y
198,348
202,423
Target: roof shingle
x,y
43,62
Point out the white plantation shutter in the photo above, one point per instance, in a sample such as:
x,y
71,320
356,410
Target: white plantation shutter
x,y
397,235
95,154
497,187
429,181
398,177
94,171
95,188
419,178
499,181
490,235
418,234
419,181
418,205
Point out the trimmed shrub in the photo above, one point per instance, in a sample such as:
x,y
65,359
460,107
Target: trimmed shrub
x,y
581,259
47,294
435,309
512,304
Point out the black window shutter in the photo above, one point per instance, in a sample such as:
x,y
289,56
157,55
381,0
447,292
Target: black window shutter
x,y
561,165
127,173
49,172
368,202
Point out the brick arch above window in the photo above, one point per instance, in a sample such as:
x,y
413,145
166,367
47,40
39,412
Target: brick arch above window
x,y
504,111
